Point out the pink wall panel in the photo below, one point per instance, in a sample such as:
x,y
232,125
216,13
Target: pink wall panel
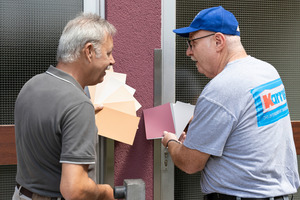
x,y
138,24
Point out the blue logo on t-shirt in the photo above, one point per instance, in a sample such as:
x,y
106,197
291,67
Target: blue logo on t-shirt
x,y
270,102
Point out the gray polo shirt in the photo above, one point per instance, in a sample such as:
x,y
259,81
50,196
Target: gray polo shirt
x,y
54,124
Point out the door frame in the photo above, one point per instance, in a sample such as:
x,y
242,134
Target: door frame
x,y
164,92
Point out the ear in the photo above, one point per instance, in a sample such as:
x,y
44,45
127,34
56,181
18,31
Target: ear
x,y
220,41
88,51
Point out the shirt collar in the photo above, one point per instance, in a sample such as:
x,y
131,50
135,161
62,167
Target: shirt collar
x,y
53,71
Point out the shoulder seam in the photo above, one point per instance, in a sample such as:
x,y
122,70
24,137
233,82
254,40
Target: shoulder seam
x,y
220,105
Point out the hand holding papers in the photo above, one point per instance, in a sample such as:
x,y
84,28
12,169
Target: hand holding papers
x,y
118,118
167,117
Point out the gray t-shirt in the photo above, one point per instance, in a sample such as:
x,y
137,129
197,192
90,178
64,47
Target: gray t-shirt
x,y
54,124
242,120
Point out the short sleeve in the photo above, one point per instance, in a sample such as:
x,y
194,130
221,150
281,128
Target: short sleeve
x,y
210,127
79,135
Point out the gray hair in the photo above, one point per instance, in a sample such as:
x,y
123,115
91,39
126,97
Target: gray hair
x,y
85,28
234,42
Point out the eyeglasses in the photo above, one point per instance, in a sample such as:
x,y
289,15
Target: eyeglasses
x,y
189,41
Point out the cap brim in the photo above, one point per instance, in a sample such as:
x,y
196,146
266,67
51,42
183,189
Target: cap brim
x,y
185,32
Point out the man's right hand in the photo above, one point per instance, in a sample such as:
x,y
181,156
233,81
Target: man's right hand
x,y
107,191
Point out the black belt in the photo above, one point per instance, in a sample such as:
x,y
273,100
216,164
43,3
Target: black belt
x,y
218,196
24,191
29,194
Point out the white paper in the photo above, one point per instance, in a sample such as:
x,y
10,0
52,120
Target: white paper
x,y
105,89
182,113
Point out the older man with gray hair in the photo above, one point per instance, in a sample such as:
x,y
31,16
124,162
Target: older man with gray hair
x,y
55,126
240,137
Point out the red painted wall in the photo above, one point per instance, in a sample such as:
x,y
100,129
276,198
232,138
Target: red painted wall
x,y
138,24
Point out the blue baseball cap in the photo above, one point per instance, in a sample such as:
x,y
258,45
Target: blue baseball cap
x,y
215,19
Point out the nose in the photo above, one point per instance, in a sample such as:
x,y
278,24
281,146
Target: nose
x,y
189,52
112,60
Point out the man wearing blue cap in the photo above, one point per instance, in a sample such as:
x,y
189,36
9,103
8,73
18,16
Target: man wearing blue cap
x,y
240,137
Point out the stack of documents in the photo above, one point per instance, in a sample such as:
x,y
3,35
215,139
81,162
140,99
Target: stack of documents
x,y
167,117
117,120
